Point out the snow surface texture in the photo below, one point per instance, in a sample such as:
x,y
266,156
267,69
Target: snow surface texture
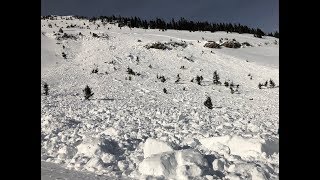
x,y
132,129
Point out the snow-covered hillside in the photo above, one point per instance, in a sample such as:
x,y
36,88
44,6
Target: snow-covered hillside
x,y
131,129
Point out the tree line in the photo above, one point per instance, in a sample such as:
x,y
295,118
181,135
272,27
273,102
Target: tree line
x,y
181,24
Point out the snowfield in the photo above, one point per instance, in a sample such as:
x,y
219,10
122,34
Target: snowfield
x,y
131,129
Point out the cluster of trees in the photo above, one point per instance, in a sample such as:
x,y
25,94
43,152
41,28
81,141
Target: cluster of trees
x,y
270,84
87,92
181,24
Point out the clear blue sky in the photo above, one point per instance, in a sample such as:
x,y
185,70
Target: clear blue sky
x,y
253,13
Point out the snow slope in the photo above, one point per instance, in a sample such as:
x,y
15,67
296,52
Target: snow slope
x,y
130,128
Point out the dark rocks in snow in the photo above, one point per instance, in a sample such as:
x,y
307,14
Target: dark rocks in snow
x,y
231,44
67,36
95,70
162,79
246,44
165,91
130,71
64,55
165,46
212,44
157,45
191,58
104,36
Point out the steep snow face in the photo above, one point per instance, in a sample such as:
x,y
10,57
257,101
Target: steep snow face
x,y
131,128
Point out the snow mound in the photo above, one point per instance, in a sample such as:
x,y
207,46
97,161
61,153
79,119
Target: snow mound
x,y
243,147
153,146
181,164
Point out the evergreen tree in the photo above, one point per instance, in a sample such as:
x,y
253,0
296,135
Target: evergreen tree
x,y
216,78
259,85
266,84
178,79
46,89
226,84
208,103
232,90
199,79
165,90
87,92
272,84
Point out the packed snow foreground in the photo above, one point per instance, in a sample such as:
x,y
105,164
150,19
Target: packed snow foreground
x,y
131,129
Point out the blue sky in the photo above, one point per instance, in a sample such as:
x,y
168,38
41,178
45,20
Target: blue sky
x,y
253,13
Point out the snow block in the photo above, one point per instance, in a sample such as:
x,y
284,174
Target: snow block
x,y
243,147
180,164
159,165
153,146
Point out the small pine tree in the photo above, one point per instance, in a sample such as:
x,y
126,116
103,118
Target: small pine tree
x,y
64,55
226,84
165,90
60,30
192,79
150,66
95,70
272,84
259,85
198,79
46,89
266,84
216,78
130,71
184,88
178,79
208,103
87,92
129,78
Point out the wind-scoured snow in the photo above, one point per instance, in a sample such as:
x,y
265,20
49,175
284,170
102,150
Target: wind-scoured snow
x,y
132,129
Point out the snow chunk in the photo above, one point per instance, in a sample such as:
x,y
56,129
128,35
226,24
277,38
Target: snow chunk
x,y
110,131
180,164
218,165
159,165
244,147
153,146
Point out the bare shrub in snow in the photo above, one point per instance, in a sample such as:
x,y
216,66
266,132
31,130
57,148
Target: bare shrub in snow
x,y
95,70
